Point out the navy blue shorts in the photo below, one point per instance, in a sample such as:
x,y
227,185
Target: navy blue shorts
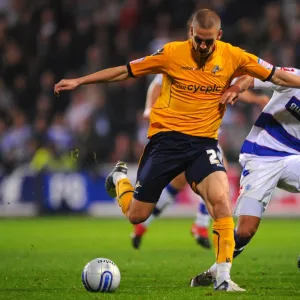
x,y
168,154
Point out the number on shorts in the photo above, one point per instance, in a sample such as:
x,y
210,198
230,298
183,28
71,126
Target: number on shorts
x,y
213,159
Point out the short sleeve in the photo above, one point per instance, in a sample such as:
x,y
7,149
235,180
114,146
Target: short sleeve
x,y
254,66
152,64
258,84
262,85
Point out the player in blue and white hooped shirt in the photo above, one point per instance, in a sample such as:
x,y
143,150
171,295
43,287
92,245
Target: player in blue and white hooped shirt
x,y
270,157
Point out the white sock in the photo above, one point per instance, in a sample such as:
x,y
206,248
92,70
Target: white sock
x,y
148,221
202,220
223,272
165,199
118,176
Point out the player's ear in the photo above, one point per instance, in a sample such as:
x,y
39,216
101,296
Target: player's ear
x,y
220,34
191,31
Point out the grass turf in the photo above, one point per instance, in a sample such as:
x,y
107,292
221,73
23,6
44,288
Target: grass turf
x,y
43,258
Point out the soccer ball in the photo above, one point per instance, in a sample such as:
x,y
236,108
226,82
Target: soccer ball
x,y
101,275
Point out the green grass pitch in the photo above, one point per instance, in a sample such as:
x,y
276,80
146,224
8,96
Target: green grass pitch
x,y
43,258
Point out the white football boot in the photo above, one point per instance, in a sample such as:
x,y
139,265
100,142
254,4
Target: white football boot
x,y
228,286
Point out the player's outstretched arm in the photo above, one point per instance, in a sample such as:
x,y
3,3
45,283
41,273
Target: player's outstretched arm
x,y
107,75
245,82
232,93
287,79
152,95
252,98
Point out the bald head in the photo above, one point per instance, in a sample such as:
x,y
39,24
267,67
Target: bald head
x,y
206,19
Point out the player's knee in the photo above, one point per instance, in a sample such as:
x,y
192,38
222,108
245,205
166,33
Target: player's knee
x,y
137,217
246,232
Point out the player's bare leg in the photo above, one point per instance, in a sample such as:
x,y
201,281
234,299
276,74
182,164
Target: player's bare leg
x,y
167,197
118,185
202,221
223,227
245,230
200,227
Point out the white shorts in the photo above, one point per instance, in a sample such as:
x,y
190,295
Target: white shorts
x,y
260,177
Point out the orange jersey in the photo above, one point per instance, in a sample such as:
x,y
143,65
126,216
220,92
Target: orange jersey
x,y
189,101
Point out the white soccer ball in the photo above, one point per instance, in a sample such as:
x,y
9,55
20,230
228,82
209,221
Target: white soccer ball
x,y
101,275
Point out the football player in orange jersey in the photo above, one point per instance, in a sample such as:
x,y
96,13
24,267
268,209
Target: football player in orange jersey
x,y
200,226
184,124
201,223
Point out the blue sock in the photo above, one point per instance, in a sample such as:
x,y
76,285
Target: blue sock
x,y
156,212
202,209
240,244
172,190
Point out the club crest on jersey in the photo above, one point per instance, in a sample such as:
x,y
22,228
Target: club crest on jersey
x,y
216,69
248,187
137,186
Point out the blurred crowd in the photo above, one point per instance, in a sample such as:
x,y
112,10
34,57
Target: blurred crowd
x,y
42,41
